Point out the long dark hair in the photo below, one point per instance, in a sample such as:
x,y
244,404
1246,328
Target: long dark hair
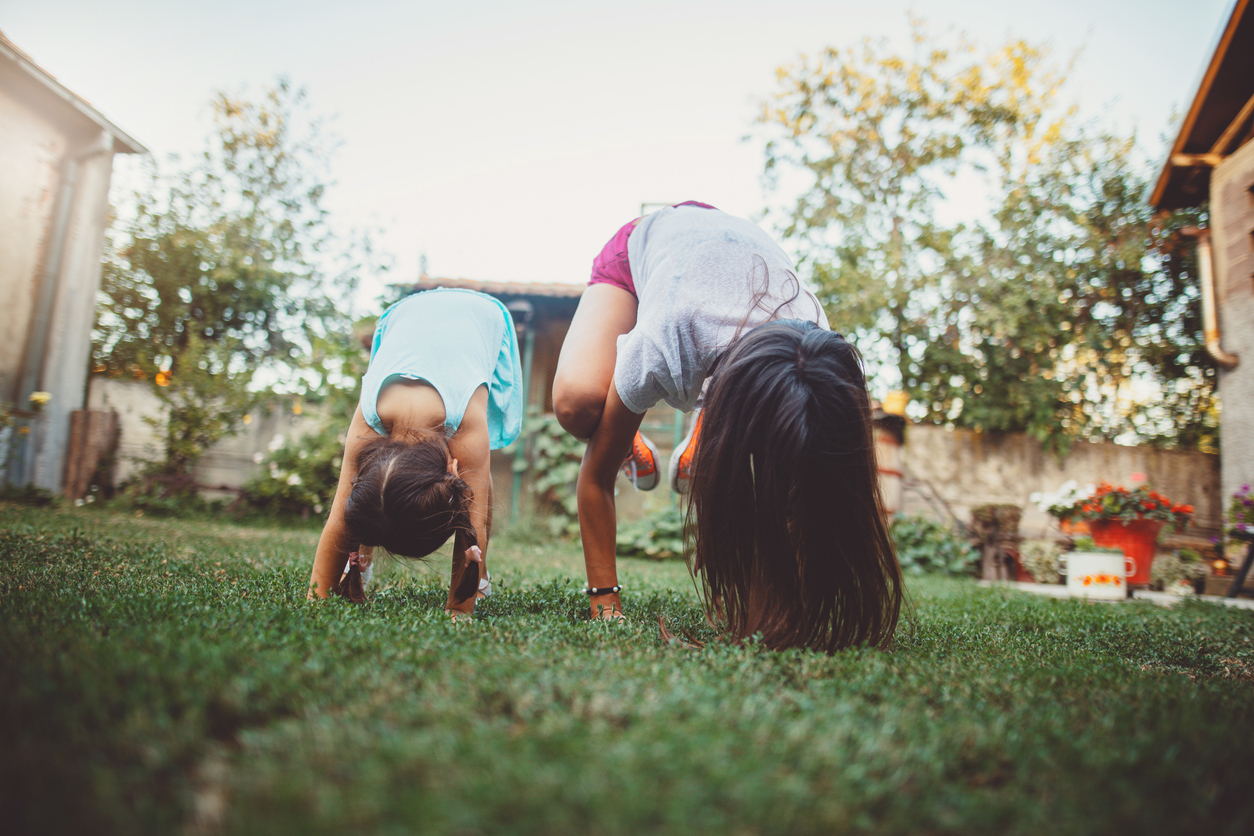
x,y
785,509
406,500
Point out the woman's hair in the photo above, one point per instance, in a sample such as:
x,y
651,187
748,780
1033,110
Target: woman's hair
x,y
785,508
406,500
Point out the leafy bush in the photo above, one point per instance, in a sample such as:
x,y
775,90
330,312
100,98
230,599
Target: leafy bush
x,y
298,478
659,536
1171,568
925,546
554,464
1040,559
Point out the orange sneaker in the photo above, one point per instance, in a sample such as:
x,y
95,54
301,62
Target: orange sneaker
x,y
681,460
641,465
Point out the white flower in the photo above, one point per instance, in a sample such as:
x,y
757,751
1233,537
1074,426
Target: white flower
x,y
317,507
277,442
294,479
1068,493
257,457
304,454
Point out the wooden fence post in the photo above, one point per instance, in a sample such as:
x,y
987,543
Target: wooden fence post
x,y
93,437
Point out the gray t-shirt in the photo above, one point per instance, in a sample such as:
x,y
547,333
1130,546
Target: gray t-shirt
x,y
699,274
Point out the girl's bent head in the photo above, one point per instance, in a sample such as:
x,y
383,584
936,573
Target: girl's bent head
x,y
790,538
406,498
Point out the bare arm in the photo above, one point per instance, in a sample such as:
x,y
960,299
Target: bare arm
x,y
607,448
470,446
333,547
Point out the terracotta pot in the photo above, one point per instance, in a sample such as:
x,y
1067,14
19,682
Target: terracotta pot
x,y
1135,539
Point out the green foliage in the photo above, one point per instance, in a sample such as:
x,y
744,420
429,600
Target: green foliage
x,y
1087,544
299,476
26,495
1239,515
659,536
1040,559
199,692
222,268
925,546
1170,568
1037,315
203,404
554,465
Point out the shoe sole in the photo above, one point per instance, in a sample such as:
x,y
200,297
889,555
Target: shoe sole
x,y
648,483
678,485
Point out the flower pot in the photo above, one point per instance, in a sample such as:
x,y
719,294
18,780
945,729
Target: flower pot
x,y
1101,575
1135,539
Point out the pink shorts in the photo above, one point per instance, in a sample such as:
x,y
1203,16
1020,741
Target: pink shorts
x,y
612,267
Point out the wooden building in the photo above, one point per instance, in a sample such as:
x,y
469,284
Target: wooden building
x,y
1212,162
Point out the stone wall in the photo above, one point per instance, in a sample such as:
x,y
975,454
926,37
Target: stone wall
x,y
949,472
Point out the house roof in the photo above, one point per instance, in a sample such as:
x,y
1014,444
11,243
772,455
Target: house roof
x,y
123,143
554,290
1220,119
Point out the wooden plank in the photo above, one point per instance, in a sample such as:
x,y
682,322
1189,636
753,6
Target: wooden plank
x,y
93,437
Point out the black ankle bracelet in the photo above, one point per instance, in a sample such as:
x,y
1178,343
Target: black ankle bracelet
x,y
604,590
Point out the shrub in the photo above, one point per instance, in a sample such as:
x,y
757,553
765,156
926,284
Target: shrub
x,y
659,536
925,546
299,478
554,464
1171,568
1040,559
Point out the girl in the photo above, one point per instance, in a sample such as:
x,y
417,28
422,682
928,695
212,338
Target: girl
x,y
443,389
789,538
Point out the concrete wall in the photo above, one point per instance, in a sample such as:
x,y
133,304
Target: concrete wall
x,y
1232,229
961,469
228,464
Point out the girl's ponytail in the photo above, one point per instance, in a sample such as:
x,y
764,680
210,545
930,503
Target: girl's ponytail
x,y
790,538
351,585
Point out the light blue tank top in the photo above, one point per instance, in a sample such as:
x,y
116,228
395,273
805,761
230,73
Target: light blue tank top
x,y
456,340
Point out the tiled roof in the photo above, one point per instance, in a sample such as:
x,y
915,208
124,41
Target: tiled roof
x,y
549,289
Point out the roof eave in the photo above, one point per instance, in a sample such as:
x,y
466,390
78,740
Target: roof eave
x,y
123,143
1166,194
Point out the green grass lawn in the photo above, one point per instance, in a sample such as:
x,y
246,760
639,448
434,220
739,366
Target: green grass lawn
x,y
168,676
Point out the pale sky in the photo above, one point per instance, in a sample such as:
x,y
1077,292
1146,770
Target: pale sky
x,y
509,140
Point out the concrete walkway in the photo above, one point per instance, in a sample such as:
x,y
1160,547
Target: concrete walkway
x,y
1163,599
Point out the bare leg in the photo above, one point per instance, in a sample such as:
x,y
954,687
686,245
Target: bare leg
x,y
583,391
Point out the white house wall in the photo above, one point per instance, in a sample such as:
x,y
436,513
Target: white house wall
x,y
30,150
69,338
1232,230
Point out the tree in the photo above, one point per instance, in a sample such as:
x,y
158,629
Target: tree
x,y
1040,313
225,273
